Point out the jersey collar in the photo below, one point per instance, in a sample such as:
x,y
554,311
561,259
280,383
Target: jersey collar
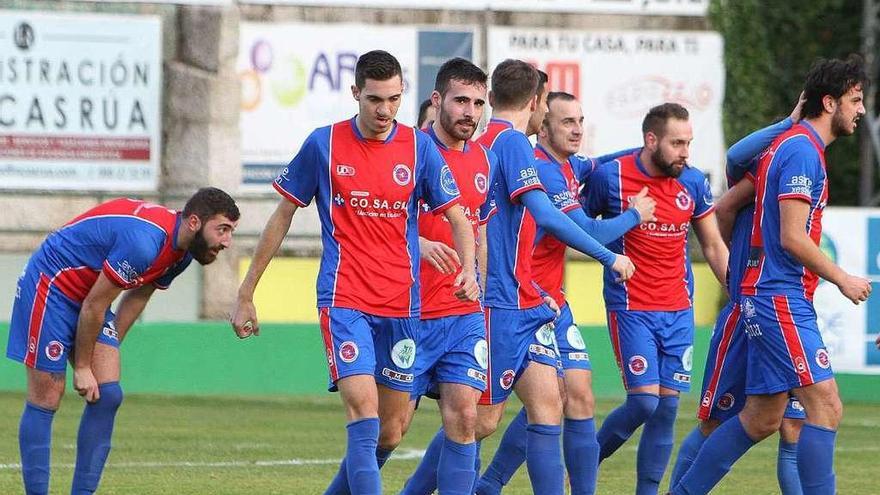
x,y
360,137
505,123
814,133
547,154
177,220
440,143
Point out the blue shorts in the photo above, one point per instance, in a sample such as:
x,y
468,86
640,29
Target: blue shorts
x,y
358,343
516,337
653,347
724,382
794,409
42,330
573,353
452,349
786,350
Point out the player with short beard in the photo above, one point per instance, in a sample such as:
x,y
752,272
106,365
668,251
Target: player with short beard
x,y
62,305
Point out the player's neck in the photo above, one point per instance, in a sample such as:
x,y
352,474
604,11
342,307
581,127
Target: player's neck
x,y
559,156
822,126
648,163
450,142
519,118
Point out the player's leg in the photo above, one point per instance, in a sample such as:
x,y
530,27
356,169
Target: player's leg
x,y
539,392
815,446
786,463
455,470
96,425
44,392
636,353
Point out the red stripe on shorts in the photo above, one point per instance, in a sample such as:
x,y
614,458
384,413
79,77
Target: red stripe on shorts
x,y
792,341
328,343
720,357
38,311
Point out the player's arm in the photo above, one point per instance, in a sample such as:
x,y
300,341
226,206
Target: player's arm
x,y
743,151
793,216
244,319
463,236
641,210
713,246
736,198
482,256
439,255
130,308
563,228
91,319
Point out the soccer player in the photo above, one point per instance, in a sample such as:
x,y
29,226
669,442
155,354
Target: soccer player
x,y
723,392
650,318
562,172
62,312
785,348
427,114
367,174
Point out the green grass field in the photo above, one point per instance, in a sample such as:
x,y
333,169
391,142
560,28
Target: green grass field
x,y
291,445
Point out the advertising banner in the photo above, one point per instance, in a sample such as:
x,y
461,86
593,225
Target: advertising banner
x,y
79,101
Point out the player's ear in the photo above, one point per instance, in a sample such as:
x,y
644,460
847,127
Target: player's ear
x,y
356,92
829,103
533,104
436,98
650,140
193,222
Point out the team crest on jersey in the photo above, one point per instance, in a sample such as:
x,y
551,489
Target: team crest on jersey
x,y
575,339
638,365
687,358
748,308
447,181
545,334
481,183
348,351
343,170
401,174
507,379
683,201
481,352
822,359
404,353
54,350
726,401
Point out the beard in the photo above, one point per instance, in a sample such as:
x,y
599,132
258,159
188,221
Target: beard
x,y
839,125
451,128
668,168
201,251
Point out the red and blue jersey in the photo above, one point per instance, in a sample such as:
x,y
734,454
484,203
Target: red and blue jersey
x,y
367,195
562,181
663,280
740,239
511,229
792,168
132,242
472,168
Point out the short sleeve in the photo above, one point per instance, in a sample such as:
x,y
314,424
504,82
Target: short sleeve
x,y
133,252
705,202
517,169
176,269
436,184
556,186
298,182
583,167
799,169
488,207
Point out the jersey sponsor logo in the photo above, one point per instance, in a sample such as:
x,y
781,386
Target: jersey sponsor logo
x,y
339,200
796,405
542,351
404,353
822,359
687,359
506,379
799,184
401,174
528,177
447,181
109,330
343,170
726,401
128,272
477,375
800,365
578,356
397,376
707,399
575,339
748,308
348,351
638,365
481,352
665,228
32,345
681,377
54,350
683,201
545,334
481,183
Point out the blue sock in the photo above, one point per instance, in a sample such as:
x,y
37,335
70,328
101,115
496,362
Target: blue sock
x,y
655,446
509,456
455,472
382,456
93,439
424,480
581,451
723,447
815,460
339,485
687,452
544,459
623,421
477,464
787,469
35,442
360,457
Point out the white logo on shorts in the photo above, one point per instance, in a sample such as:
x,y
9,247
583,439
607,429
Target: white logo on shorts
x,y
481,352
545,334
404,353
348,351
687,359
638,365
575,339
748,308
822,359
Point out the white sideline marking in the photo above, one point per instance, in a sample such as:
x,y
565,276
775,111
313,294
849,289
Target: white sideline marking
x,y
402,455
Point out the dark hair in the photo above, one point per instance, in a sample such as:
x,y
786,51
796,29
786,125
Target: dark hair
x,y
377,65
559,95
657,117
461,70
833,78
210,201
543,78
514,83
423,112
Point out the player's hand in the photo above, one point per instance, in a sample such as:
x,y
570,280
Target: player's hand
x,y
877,342
644,204
623,267
468,289
85,384
856,289
798,108
244,319
549,301
439,255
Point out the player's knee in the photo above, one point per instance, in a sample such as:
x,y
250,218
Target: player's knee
x,y
761,424
579,404
111,395
642,406
390,436
485,426
707,426
47,398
